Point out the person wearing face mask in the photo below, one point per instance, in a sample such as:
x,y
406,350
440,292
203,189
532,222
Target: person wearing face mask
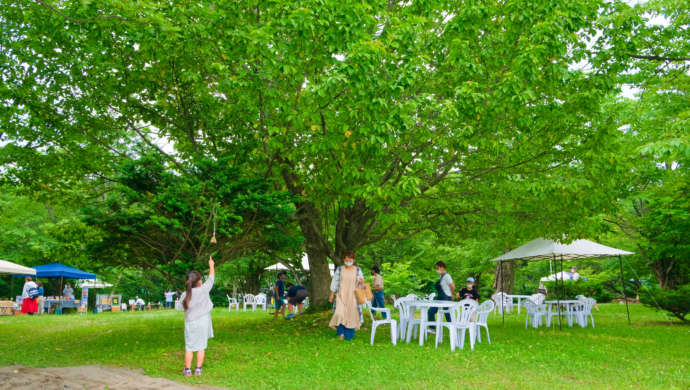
x,y
347,316
445,290
469,292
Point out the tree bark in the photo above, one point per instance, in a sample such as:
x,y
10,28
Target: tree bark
x,y
503,280
663,270
318,251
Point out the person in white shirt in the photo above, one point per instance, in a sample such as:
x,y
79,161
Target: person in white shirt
x,y
169,296
68,292
198,328
30,297
139,303
445,289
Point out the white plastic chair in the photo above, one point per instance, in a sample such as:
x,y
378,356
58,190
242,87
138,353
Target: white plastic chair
x,y
232,302
538,298
483,312
503,302
402,311
534,312
431,296
406,323
583,311
461,316
389,320
260,300
249,300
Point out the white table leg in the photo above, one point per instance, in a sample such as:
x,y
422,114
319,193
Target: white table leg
x,y
422,326
408,335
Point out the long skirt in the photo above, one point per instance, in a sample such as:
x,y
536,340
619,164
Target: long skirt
x,y
197,333
29,305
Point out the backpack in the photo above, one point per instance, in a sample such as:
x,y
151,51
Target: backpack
x,y
33,292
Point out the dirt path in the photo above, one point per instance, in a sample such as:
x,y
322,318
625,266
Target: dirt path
x,y
82,377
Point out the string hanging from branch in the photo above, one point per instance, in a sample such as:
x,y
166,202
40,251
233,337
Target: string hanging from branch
x,y
213,238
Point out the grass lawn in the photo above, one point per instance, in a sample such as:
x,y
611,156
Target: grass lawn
x,y
251,351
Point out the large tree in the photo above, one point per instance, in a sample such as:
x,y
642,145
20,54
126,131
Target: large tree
x,y
156,219
383,118
652,46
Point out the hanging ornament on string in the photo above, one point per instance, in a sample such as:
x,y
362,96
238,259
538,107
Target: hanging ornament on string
x,y
213,238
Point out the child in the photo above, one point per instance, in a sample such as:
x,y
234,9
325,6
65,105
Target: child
x,y
278,293
469,292
197,305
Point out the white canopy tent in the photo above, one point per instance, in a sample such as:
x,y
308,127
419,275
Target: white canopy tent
x,y
305,266
7,267
277,267
543,249
567,276
93,283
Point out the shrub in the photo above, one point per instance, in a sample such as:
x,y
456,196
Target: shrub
x,y
400,280
675,301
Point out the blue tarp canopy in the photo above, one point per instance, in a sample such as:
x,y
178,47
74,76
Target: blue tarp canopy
x,y
57,270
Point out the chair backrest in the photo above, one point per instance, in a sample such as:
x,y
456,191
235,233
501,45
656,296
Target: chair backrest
x,y
464,311
413,296
538,298
484,310
260,299
431,296
249,298
371,314
502,300
402,308
588,304
530,306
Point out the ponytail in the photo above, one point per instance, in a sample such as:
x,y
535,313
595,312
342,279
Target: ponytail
x,y
193,277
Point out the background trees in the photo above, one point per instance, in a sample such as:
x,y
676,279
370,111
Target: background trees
x,y
485,124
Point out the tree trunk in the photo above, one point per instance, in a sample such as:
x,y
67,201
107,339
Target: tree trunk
x,y
253,283
663,270
503,280
320,278
317,254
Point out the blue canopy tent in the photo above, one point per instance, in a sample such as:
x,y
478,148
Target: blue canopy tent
x,y
57,270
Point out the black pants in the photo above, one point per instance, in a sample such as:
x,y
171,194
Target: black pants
x,y
431,316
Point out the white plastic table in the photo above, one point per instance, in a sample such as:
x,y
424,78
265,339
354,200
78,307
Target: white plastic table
x,y
569,303
519,299
423,306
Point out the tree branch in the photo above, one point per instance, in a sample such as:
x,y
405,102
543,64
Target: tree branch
x,y
660,58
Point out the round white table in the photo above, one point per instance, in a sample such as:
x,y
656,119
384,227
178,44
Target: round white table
x,y
568,304
519,299
423,306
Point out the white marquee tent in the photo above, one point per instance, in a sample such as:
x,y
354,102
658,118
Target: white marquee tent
x,y
305,266
543,249
567,276
7,267
93,283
